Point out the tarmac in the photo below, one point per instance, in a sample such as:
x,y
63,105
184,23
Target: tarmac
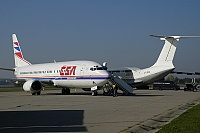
x,y
146,111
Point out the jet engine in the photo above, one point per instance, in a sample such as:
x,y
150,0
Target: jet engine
x,y
33,86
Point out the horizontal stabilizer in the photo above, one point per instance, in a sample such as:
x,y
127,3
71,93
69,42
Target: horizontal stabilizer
x,y
176,37
7,69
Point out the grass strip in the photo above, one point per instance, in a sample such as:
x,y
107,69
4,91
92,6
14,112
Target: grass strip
x,y
188,122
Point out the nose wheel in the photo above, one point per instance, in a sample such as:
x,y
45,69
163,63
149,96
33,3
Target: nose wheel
x,y
36,93
94,93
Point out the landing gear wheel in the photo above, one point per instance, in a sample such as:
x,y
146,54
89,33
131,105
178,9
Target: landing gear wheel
x,y
65,91
38,93
107,93
94,93
34,93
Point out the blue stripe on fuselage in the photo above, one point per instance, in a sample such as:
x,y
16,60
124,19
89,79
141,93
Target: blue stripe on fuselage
x,y
72,78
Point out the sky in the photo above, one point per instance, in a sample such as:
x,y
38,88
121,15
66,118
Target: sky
x,y
112,31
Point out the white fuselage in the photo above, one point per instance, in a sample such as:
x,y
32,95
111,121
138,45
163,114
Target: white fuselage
x,y
150,74
71,74
138,77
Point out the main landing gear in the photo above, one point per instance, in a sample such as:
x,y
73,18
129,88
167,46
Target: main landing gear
x,y
65,91
36,93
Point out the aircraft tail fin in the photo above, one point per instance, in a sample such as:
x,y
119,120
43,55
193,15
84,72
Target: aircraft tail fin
x,y
18,56
168,51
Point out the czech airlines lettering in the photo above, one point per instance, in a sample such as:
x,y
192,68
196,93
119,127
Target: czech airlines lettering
x,y
67,70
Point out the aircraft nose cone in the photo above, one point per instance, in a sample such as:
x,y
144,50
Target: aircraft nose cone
x,y
107,74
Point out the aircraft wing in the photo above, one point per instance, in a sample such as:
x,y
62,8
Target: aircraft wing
x,y
137,81
47,82
188,73
13,80
22,81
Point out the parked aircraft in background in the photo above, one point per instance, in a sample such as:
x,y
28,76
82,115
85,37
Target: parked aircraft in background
x,y
136,77
69,74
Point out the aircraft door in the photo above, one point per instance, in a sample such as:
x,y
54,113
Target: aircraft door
x,y
82,69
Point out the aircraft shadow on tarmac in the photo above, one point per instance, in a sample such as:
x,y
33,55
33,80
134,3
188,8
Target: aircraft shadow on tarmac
x,y
42,121
119,94
77,93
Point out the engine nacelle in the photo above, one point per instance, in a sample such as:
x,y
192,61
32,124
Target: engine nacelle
x,y
33,86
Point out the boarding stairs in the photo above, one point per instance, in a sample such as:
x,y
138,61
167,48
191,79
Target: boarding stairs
x,y
123,86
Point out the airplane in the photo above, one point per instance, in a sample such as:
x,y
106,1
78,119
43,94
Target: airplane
x,y
138,78
70,74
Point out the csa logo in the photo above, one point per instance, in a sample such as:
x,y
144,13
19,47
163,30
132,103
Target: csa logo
x,y
67,70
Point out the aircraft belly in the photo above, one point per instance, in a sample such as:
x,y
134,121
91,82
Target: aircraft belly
x,y
79,83
156,76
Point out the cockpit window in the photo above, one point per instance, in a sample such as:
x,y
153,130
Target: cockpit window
x,y
99,68
96,68
93,68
